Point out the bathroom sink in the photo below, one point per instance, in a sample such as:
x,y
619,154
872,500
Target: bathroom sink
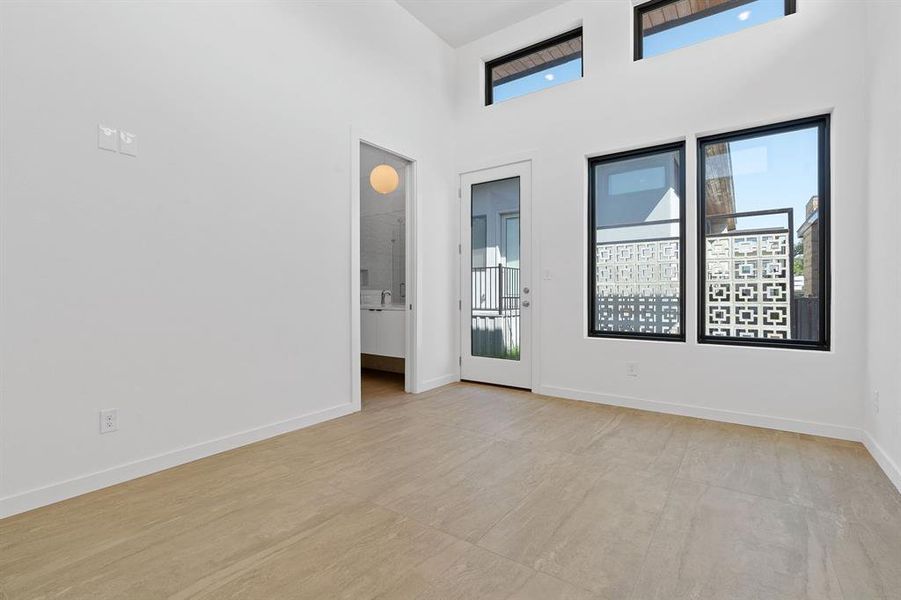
x,y
382,307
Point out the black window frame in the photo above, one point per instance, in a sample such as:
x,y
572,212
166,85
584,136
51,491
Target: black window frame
x,y
592,243
791,8
822,122
563,37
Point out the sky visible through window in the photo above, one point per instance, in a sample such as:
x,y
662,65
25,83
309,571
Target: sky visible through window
x,y
738,18
775,171
568,71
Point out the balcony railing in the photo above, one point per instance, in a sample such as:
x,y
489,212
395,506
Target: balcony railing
x,y
495,289
495,312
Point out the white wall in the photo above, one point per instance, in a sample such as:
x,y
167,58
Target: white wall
x,y
175,286
883,428
806,64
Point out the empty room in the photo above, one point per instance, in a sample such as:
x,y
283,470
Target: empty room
x,y
450,299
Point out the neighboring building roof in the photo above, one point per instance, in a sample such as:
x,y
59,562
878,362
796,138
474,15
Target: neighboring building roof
x,y
676,13
719,187
810,222
537,61
813,215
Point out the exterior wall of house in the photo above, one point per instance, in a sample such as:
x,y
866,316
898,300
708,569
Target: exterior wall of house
x,y
809,233
502,199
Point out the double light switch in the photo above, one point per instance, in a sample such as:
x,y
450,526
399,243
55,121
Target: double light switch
x,y
117,140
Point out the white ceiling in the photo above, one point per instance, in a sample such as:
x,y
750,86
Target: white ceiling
x,y
459,22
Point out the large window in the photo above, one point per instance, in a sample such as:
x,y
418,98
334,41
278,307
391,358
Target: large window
x,y
664,25
636,241
763,225
549,63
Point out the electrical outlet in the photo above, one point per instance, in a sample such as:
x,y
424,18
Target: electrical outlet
x,y
632,369
876,401
109,420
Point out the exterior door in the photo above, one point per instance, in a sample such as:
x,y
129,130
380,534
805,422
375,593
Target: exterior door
x,y
495,281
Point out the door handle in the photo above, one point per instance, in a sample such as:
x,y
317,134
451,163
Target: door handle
x,y
525,303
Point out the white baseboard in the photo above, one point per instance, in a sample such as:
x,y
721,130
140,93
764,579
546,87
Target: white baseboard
x,y
890,467
702,412
436,382
31,499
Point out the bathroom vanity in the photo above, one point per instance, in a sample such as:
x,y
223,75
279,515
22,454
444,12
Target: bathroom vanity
x,y
382,330
383,324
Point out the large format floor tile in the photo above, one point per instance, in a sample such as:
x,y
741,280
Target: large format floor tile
x,y
473,491
468,500
591,530
717,543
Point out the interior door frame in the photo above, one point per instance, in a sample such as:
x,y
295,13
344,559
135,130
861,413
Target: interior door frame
x,y
413,344
521,168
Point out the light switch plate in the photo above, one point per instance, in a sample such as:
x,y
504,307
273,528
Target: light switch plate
x,y
128,143
107,138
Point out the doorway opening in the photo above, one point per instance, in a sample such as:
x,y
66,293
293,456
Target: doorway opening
x,y
385,304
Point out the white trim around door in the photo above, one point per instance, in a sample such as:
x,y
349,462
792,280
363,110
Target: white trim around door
x,y
496,292
413,343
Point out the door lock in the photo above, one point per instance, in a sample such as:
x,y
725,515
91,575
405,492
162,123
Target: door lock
x,y
525,290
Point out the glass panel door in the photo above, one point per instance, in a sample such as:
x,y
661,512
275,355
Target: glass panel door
x,y
494,316
494,280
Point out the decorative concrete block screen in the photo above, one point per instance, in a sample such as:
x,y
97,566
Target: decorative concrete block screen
x,y
638,286
749,285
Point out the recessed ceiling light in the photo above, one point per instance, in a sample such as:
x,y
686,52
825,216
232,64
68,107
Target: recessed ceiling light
x,y
744,15
549,76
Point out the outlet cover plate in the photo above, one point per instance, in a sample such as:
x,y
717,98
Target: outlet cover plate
x,y
109,420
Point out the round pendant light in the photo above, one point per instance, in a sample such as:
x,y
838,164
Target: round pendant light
x,y
384,179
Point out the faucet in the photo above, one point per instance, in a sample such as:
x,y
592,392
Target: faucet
x,y
386,293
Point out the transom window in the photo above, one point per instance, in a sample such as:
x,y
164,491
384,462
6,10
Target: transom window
x,y
543,65
665,25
